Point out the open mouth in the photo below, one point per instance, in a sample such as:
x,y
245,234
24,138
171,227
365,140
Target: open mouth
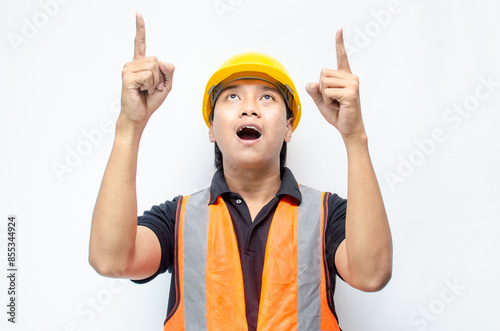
x,y
249,133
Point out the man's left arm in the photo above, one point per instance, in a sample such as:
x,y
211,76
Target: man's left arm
x,y
364,258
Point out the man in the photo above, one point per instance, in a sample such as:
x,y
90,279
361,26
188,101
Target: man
x,y
255,251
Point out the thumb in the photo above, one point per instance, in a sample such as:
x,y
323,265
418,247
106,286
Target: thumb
x,y
168,74
313,90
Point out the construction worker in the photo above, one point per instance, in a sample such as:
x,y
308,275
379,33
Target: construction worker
x,y
255,250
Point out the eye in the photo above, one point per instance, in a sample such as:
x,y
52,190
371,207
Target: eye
x,y
268,97
232,96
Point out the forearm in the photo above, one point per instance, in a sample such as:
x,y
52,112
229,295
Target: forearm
x,y
114,221
368,236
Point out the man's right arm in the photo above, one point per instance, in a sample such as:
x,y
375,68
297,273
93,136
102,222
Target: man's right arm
x,y
118,247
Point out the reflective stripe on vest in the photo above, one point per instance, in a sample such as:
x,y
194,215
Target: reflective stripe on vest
x,y
209,280
195,252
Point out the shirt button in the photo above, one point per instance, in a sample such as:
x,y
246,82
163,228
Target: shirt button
x,y
238,201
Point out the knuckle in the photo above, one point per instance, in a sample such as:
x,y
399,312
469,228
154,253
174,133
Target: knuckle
x,y
351,94
148,75
153,59
152,64
356,84
321,87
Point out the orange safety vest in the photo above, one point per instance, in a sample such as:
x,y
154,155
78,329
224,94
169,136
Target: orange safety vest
x,y
208,277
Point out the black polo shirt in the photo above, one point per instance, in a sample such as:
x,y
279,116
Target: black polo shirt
x,y
251,236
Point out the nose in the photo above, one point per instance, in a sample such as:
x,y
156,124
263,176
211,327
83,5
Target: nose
x,y
250,108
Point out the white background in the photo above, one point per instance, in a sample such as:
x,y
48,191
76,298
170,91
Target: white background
x,y
61,65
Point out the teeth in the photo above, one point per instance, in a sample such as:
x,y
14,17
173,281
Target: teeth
x,y
249,127
249,132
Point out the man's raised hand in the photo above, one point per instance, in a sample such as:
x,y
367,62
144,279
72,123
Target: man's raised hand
x,y
146,81
337,94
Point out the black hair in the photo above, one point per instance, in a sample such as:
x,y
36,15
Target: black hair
x,y
218,154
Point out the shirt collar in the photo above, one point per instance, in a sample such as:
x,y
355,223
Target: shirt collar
x,y
288,186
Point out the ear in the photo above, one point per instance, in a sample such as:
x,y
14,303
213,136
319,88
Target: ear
x,y
211,134
289,130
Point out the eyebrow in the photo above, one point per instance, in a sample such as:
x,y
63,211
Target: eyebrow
x,y
262,88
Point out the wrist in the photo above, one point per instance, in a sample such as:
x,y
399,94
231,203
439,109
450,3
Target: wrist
x,y
355,140
127,131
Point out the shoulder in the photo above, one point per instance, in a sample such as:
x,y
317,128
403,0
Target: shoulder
x,y
332,199
162,212
335,201
204,193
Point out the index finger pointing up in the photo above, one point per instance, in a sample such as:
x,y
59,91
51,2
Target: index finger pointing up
x,y
342,61
140,37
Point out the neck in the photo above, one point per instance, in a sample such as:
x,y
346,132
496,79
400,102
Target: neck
x,y
256,186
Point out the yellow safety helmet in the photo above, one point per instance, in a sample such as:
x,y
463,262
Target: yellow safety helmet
x,y
252,65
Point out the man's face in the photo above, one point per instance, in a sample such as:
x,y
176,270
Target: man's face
x,y
250,125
